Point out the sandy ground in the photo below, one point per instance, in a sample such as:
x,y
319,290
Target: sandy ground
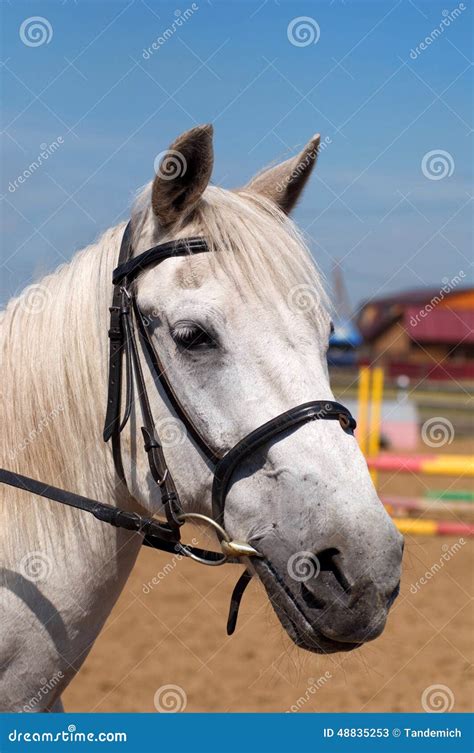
x,y
175,635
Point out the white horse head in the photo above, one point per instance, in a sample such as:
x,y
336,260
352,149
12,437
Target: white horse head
x,y
243,333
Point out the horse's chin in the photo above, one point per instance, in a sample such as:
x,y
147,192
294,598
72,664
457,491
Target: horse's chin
x,y
293,619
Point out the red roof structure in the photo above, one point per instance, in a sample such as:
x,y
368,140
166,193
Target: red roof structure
x,y
442,325
427,315
422,334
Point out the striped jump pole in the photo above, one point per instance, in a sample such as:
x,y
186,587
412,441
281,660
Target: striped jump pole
x,y
433,527
449,496
373,443
370,394
363,408
421,504
369,411
437,465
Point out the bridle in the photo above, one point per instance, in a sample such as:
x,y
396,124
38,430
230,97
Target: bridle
x,y
128,332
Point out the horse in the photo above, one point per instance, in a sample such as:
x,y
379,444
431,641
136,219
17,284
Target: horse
x,y
243,332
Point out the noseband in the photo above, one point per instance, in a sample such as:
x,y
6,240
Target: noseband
x,y
128,333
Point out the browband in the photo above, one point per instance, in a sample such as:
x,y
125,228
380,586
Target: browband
x,y
180,247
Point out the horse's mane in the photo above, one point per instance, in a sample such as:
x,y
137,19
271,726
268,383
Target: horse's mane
x,y
53,340
53,337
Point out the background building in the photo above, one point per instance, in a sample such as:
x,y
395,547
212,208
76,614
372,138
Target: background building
x,y
420,333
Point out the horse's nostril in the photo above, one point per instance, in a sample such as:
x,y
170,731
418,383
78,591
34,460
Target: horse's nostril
x,y
327,579
310,599
329,561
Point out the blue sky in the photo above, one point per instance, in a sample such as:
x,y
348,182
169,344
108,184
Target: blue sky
x,y
111,108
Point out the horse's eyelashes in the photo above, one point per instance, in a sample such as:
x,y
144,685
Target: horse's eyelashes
x,y
192,337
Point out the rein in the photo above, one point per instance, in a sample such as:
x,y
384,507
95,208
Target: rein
x,y
128,333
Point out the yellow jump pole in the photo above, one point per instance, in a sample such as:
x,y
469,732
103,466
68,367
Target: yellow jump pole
x,y
375,417
363,407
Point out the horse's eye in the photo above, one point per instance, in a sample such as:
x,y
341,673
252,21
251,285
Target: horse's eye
x,y
190,336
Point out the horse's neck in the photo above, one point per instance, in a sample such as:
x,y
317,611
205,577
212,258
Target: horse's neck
x,y
54,374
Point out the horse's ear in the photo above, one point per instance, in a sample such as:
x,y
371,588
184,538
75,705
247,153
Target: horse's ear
x,y
284,183
182,174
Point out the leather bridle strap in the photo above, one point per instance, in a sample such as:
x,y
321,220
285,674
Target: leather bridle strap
x,y
123,312
273,429
113,424
174,403
124,317
157,535
129,269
